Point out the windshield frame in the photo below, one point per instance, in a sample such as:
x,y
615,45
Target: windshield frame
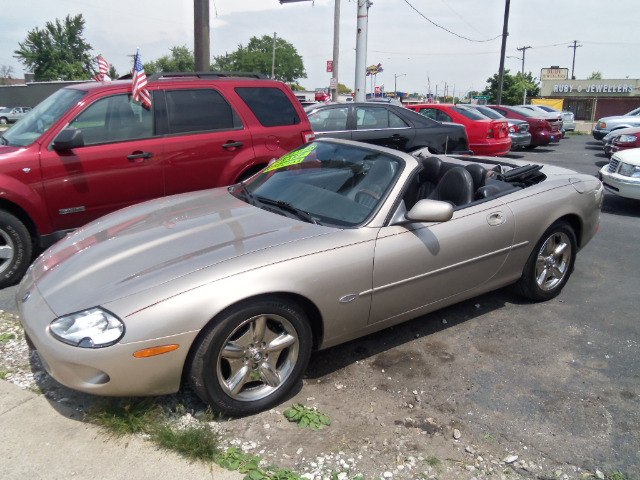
x,y
41,118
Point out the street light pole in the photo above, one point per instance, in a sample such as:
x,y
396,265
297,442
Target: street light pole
x,y
395,83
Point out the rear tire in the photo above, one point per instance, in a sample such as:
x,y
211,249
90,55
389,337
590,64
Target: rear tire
x,y
15,249
550,264
249,359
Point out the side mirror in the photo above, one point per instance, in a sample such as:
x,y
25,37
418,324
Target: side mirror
x,y
430,211
68,139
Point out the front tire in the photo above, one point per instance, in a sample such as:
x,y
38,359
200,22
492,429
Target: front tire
x,y
550,264
249,359
15,249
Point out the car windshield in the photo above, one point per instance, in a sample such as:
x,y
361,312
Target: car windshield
x,y
470,113
523,111
489,112
324,182
41,118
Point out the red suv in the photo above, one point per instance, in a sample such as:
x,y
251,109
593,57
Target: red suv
x,y
88,149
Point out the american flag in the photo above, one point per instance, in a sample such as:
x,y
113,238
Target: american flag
x,y
103,69
140,92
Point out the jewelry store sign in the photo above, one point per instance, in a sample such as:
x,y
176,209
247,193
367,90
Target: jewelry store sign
x,y
593,88
554,73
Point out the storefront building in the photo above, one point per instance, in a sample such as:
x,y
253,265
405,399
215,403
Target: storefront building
x,y
590,99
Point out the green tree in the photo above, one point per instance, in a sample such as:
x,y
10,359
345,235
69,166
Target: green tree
x,y
513,88
257,57
343,89
58,51
181,60
595,76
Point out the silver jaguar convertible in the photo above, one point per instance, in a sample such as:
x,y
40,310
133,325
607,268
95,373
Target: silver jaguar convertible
x,y
231,289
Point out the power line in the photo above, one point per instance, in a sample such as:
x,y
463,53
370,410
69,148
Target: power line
x,y
447,30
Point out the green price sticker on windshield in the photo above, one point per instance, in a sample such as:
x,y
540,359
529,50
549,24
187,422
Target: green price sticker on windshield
x,y
292,158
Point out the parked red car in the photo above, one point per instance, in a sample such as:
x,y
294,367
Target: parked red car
x,y
486,136
543,130
629,139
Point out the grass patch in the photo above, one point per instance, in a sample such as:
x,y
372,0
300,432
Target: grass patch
x,y
124,417
4,373
197,442
7,337
617,476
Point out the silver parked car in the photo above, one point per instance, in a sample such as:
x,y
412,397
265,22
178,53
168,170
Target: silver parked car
x,y
568,118
13,114
233,288
608,124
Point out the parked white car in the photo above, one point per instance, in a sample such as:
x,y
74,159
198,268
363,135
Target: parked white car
x,y
621,176
568,118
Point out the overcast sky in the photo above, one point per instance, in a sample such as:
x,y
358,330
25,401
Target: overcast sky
x,y
413,52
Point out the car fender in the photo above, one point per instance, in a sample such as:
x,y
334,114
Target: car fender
x,y
27,199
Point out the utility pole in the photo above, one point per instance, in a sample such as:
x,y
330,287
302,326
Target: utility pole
x,y
575,46
523,49
201,36
361,50
336,49
505,34
273,58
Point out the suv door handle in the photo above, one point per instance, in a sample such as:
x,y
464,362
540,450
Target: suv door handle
x,y
138,157
232,145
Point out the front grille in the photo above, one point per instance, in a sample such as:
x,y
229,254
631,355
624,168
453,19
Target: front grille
x,y
613,165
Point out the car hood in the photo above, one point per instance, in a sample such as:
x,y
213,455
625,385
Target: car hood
x,y
620,118
156,242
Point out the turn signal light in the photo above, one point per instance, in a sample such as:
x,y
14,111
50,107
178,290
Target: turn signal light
x,y
153,351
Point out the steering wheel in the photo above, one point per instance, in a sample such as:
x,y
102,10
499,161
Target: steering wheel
x,y
364,197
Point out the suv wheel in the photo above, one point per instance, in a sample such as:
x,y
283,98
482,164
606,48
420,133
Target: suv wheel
x,y
15,249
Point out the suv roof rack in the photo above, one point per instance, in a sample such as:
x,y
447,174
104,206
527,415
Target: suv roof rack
x,y
170,75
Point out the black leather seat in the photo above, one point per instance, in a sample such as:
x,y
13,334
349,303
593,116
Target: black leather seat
x,y
428,177
455,186
478,174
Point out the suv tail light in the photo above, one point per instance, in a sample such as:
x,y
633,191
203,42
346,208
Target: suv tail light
x,y
308,136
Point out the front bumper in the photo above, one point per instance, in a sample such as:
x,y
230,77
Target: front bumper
x,y
619,185
599,134
110,370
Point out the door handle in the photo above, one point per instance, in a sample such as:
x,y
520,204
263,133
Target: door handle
x,y
139,157
232,145
495,218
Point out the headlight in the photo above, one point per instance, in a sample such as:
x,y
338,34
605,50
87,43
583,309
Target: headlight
x,y
629,170
93,328
626,138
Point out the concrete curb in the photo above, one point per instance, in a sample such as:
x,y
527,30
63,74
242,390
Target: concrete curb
x,y
50,442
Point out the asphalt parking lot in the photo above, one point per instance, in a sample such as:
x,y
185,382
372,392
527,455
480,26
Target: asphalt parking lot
x,y
555,383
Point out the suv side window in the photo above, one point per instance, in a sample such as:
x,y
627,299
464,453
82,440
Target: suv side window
x,y
271,106
199,110
114,119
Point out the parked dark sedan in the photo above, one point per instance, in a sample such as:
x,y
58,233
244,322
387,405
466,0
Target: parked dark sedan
x,y
387,125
